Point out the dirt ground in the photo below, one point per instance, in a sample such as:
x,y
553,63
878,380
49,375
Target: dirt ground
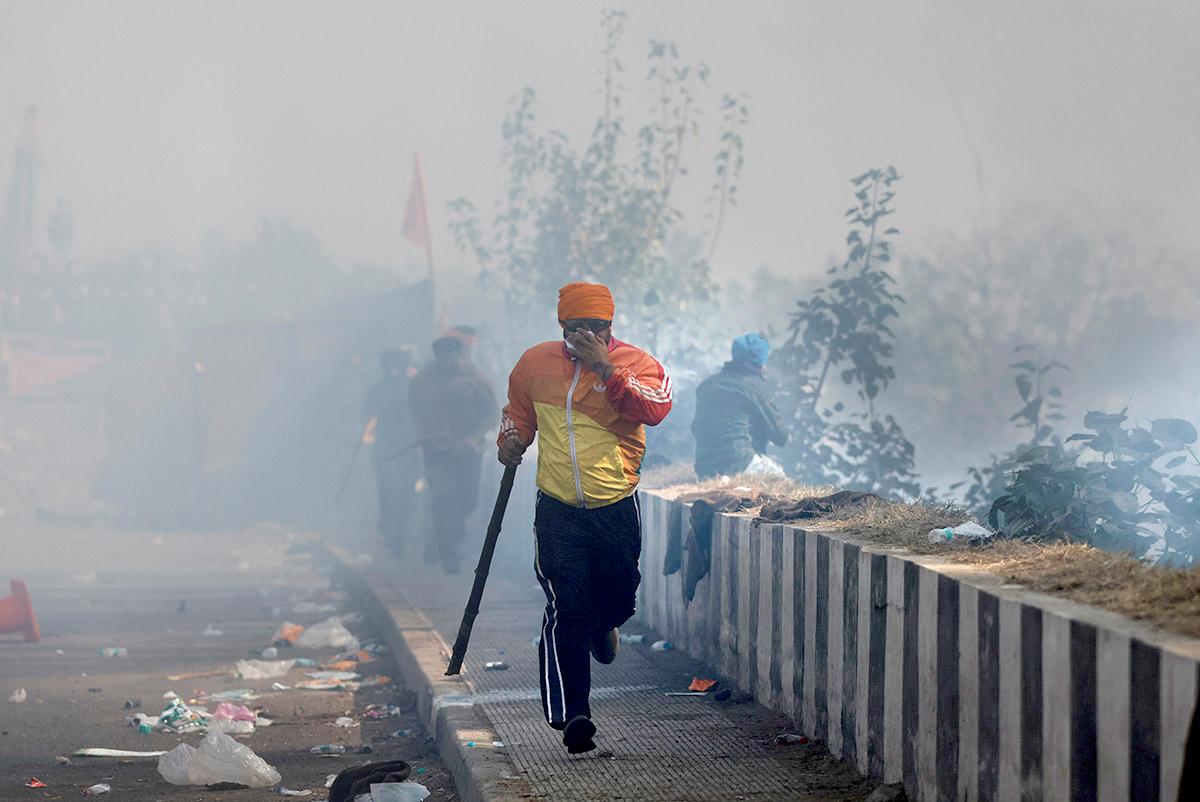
x,y
157,596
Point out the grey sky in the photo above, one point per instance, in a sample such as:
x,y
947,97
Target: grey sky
x,y
161,120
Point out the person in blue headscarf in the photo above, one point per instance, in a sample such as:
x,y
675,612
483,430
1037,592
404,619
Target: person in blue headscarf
x,y
735,419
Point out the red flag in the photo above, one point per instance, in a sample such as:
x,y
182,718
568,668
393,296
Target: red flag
x,y
416,216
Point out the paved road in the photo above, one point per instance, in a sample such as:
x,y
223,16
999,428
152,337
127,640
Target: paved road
x,y
93,588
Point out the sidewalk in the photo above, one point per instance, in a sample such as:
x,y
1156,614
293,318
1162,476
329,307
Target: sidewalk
x,y
650,746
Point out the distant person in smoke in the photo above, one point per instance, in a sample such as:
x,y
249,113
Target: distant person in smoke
x,y
396,473
735,419
588,398
453,406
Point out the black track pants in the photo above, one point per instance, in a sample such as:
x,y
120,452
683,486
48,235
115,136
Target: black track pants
x,y
587,563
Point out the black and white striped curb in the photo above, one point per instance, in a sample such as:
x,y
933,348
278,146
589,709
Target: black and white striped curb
x,y
929,672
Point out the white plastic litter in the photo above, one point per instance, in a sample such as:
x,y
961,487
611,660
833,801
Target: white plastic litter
x,y
334,676
94,751
97,789
330,633
963,532
219,759
263,669
18,696
398,792
344,721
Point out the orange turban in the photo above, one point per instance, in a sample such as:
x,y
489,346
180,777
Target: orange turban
x,y
583,300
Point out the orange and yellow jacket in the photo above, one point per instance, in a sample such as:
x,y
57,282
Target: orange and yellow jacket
x,y
591,432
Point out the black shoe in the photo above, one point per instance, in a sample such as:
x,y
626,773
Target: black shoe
x,y
604,645
577,735
350,782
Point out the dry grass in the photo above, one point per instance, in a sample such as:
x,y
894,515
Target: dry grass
x,y
675,481
1164,597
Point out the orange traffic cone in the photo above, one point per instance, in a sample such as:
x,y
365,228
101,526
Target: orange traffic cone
x,y
16,613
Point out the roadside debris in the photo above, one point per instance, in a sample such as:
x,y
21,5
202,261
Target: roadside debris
x,y
270,653
263,669
345,721
662,646
330,633
685,693
329,749
790,738
212,632
114,651
93,751
34,782
495,665
287,634
18,696
634,640
703,685
279,789
964,532
97,789
62,760
197,675
131,704
220,759
361,782
398,792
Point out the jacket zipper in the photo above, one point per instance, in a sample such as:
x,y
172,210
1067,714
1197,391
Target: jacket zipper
x,y
571,434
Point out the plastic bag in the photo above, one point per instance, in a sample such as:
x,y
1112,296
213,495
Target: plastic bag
x,y
174,765
220,759
398,792
263,669
328,633
969,531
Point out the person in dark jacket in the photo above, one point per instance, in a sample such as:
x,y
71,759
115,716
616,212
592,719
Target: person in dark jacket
x,y
735,419
453,406
395,476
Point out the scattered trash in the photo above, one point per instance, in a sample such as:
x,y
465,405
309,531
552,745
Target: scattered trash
x,y
95,690
198,675
635,640
685,693
279,789
270,653
790,738
378,711
114,651
212,632
324,685
34,782
133,704
279,686
537,641
61,760
170,695
364,750
401,733
18,696
704,685
179,718
340,676
495,665
220,759
398,792
305,662
345,721
329,778
968,531
97,789
377,680
93,751
329,749
662,646
263,669
330,633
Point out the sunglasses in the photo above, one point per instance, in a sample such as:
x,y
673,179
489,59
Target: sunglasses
x,y
594,326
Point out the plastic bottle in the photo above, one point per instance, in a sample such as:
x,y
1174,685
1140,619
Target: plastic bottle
x,y
114,651
969,531
329,749
632,639
662,646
